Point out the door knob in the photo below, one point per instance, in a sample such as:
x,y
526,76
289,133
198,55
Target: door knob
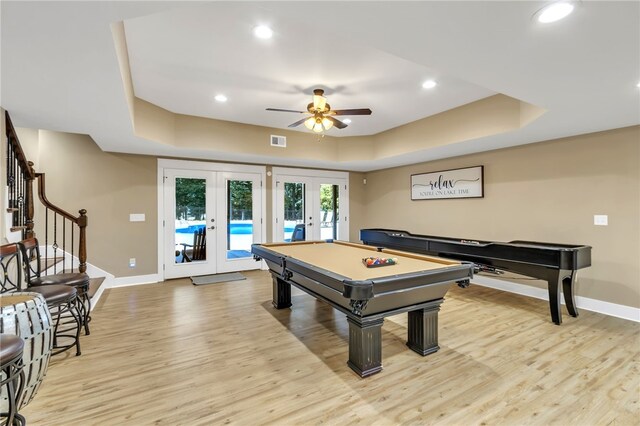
x,y
212,227
309,224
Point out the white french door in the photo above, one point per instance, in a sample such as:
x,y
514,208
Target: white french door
x,y
293,195
317,199
331,206
190,198
211,213
239,220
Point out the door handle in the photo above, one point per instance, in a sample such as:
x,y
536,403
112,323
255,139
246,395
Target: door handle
x,y
212,227
309,224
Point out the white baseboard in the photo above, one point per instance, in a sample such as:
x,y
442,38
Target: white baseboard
x,y
96,297
134,280
110,282
607,308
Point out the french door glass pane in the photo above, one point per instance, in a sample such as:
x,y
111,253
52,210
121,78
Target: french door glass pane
x,y
239,218
329,201
294,205
191,194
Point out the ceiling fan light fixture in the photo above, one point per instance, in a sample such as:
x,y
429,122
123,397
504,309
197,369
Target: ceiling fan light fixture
x,y
319,102
322,116
327,123
309,123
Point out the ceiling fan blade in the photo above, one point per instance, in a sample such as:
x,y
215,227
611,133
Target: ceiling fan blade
x,y
286,110
339,124
357,111
297,123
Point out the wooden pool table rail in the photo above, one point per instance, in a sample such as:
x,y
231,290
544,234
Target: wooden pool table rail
x,y
382,281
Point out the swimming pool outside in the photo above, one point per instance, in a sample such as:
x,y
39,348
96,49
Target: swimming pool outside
x,y
235,228
241,233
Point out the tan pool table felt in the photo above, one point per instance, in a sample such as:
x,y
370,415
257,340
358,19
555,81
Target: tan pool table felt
x,y
346,259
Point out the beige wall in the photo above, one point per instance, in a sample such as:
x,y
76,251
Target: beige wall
x,y
543,192
547,192
30,143
109,187
357,206
485,117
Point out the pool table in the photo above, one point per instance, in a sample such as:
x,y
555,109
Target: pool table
x,y
334,272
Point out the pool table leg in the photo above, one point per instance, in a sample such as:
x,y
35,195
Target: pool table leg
x,y
281,293
365,345
423,329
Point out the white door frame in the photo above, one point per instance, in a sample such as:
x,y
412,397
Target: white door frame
x,y
318,176
205,166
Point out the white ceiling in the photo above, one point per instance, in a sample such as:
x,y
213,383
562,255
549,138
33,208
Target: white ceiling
x,y
210,49
60,71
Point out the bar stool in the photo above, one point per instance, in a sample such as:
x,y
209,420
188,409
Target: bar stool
x,y
79,280
12,377
61,300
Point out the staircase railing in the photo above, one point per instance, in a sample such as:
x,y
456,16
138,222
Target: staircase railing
x,y
65,237
20,176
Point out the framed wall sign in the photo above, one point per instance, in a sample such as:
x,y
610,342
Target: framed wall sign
x,y
455,183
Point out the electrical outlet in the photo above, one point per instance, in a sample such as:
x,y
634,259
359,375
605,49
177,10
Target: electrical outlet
x,y
600,219
132,262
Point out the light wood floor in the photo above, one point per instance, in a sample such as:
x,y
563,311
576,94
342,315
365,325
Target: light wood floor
x,y
176,354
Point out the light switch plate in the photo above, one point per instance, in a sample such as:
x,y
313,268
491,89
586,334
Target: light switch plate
x,y
136,217
600,219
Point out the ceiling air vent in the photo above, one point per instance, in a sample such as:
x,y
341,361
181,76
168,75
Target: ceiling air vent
x,y
280,141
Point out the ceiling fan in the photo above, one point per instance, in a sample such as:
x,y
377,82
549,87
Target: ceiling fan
x,y
322,114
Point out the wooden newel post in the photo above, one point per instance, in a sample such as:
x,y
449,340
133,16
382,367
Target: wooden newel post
x,y
29,210
82,249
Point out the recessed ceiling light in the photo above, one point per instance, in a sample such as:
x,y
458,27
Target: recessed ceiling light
x,y
347,121
262,31
554,12
221,98
429,84
638,85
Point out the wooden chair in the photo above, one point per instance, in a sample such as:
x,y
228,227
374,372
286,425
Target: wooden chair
x,y
197,250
